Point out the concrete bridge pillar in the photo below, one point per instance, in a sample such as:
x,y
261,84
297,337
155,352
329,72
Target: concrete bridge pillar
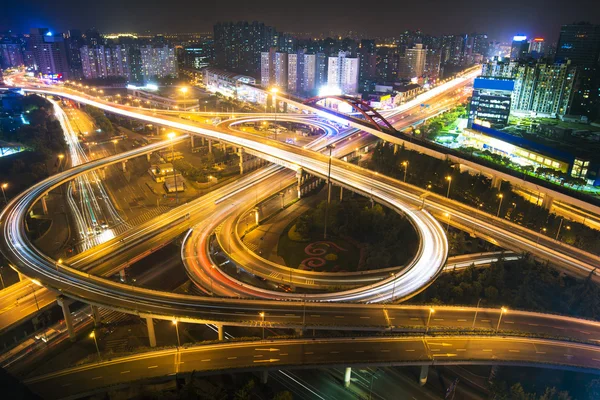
x,y
102,171
64,304
151,334
122,275
148,156
192,141
423,376
264,377
496,182
347,376
96,316
210,145
202,140
341,194
299,185
396,148
44,205
547,202
221,332
124,166
241,154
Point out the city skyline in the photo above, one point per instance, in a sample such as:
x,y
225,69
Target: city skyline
x,y
500,23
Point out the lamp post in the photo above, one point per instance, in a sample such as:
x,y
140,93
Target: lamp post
x,y
60,159
274,93
539,234
58,263
501,196
262,316
330,147
424,196
171,136
405,165
177,330
4,186
393,286
560,226
93,336
115,145
449,179
184,90
503,311
475,317
431,311
448,216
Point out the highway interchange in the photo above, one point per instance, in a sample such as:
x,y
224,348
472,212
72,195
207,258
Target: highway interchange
x,y
305,314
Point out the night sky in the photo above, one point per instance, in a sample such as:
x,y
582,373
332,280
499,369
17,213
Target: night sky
x,y
499,18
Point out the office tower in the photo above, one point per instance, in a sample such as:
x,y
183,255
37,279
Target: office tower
x,y
292,69
321,70
579,43
266,67
491,101
519,48
49,53
342,73
368,60
198,55
537,48
74,41
432,64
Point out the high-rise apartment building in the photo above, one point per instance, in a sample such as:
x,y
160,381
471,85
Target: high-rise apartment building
x,y
49,53
158,62
538,87
11,54
238,45
491,101
105,61
415,60
274,69
342,73
519,48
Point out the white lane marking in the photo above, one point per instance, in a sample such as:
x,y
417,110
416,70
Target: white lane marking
x,y
153,366
125,372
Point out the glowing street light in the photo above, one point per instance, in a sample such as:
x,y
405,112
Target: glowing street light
x,y
93,336
405,165
500,196
503,311
262,316
449,179
184,90
274,91
4,186
171,136
431,311
177,330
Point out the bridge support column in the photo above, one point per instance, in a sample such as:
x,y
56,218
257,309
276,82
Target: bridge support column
x,y
122,275
148,157
547,202
44,205
102,171
221,331
21,277
264,377
202,137
151,334
423,376
347,376
395,148
192,141
96,316
496,182
299,331
241,154
341,194
64,304
299,185
210,145
124,166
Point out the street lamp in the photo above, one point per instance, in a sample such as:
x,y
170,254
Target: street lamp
x,y
93,335
171,136
560,226
447,215
177,330
501,196
405,165
449,179
36,282
4,186
184,90
58,263
115,144
274,92
330,147
540,234
393,286
503,311
424,196
262,315
431,311
60,158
